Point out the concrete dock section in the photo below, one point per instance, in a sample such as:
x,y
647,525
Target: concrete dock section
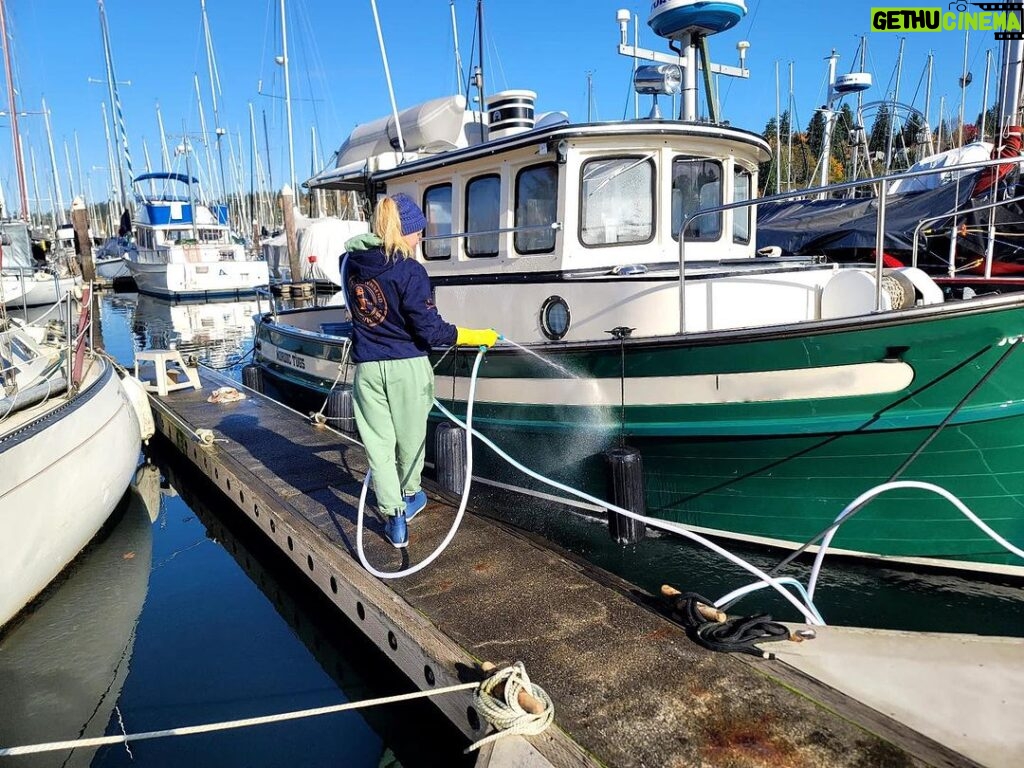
x,y
629,687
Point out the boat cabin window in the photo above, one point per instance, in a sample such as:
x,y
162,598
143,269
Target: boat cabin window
x,y
536,206
742,182
176,236
617,201
696,185
483,198
211,235
437,205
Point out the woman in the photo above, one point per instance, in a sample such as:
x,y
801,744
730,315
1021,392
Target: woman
x,y
394,325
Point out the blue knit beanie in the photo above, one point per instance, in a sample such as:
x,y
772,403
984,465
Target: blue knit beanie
x,y
411,214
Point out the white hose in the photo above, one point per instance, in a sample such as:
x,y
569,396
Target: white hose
x,y
810,614
462,506
812,582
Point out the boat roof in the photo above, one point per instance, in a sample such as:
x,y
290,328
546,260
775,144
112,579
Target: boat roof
x,y
348,177
166,176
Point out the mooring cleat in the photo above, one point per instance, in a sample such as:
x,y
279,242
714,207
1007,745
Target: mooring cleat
x,y
396,532
414,504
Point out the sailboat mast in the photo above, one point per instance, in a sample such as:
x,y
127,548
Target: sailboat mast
x,y
71,177
163,139
211,65
12,108
115,105
928,104
1010,80
984,93
778,132
892,112
35,181
963,87
206,144
59,213
480,71
288,97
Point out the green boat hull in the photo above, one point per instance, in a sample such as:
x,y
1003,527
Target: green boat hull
x,y
778,469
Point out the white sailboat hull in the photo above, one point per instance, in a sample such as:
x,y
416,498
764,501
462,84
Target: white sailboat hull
x,y
37,291
61,475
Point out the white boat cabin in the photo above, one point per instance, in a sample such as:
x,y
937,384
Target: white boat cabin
x,y
171,225
565,231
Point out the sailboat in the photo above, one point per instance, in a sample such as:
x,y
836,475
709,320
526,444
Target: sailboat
x,y
761,394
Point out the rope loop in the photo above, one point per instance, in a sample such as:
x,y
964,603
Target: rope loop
x,y
497,700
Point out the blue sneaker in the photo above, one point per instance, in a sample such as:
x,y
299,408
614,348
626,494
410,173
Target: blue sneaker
x,y
414,504
395,530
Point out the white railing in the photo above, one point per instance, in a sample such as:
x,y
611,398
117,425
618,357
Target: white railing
x,y
882,185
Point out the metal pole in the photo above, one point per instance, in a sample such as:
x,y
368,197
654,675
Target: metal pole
x,y
78,160
110,169
778,132
211,171
71,177
163,139
53,164
12,108
35,181
895,100
883,193
115,103
689,110
789,133
391,88
928,105
984,94
830,117
288,92
963,87
458,56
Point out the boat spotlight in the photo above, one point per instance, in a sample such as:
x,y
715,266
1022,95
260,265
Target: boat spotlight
x,y
658,80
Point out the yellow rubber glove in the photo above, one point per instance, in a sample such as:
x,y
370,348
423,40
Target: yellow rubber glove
x,y
468,337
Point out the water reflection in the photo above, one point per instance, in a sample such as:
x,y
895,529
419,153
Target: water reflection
x,y
62,668
356,666
218,333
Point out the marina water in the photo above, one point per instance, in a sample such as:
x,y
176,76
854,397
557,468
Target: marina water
x,y
181,614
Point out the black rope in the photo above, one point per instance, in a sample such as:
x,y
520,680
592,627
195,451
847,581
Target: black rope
x,y
736,635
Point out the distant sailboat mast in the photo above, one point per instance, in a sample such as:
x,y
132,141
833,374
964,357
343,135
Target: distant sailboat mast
x,y
59,212
12,108
118,114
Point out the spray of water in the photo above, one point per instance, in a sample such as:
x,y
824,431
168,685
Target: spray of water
x,y
560,368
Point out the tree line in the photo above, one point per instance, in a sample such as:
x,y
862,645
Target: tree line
x,y
798,152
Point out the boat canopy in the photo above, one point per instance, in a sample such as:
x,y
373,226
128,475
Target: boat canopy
x,y
165,176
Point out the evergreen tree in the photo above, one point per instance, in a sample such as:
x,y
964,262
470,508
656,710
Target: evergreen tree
x,y
816,133
879,139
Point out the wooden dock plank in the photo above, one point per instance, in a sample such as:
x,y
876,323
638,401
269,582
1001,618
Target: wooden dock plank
x,y
630,688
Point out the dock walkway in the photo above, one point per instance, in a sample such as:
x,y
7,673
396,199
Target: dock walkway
x,y
630,689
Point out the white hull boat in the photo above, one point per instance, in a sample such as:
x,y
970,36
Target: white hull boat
x,y
183,248
65,461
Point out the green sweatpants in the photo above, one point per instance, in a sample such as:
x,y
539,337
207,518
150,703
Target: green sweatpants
x,y
392,399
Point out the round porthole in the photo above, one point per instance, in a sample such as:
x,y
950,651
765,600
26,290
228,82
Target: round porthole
x,y
555,317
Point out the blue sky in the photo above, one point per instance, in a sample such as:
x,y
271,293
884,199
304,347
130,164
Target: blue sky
x,y
337,77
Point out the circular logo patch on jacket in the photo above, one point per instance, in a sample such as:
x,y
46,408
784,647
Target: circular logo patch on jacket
x,y
369,306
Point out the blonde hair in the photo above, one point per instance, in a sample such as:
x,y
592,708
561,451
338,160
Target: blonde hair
x,y
387,225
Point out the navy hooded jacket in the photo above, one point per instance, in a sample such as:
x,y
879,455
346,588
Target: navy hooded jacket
x,y
393,314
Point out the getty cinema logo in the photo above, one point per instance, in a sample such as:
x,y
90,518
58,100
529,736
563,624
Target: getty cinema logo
x,y
991,17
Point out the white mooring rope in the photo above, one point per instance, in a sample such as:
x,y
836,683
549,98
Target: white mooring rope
x,y
506,715
508,718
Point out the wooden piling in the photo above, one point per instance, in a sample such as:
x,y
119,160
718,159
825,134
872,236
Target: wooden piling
x,y
80,221
288,211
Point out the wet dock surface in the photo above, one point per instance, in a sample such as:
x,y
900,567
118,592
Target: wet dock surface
x,y
630,689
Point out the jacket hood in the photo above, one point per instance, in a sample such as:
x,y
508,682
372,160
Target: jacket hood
x,y
366,255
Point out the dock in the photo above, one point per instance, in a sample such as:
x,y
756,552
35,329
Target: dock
x,y
630,688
